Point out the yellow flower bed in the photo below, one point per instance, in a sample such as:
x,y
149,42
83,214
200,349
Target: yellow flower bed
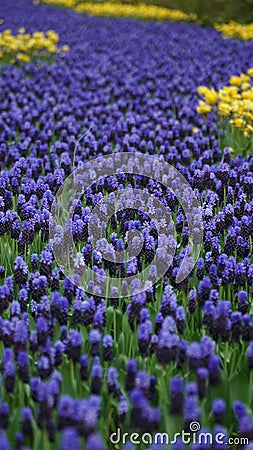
x,y
24,46
234,29
140,10
62,3
143,11
234,102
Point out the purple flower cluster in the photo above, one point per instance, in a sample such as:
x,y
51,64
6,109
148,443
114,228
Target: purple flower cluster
x,y
79,365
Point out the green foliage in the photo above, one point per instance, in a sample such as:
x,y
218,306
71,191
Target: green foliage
x,y
209,12
233,137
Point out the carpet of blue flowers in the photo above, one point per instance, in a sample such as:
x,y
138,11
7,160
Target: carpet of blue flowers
x,y
77,367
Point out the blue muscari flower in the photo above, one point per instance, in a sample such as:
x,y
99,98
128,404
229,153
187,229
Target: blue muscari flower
x,y
144,314
20,270
159,445
191,410
112,375
207,347
69,287
42,327
120,245
191,389
35,383
246,427
22,359
57,376
204,290
168,325
214,369
95,401
86,412
4,443
64,305
138,399
94,442
179,445
243,296
168,340
65,410
200,267
152,417
70,439
128,446
96,370
176,395
21,333
4,415
202,375
214,296
180,313
26,419
9,369
99,319
7,356
9,283
168,347
239,409
131,373
84,363
209,308
159,321
23,296
250,355
223,308
180,318
142,380
123,407
143,332
44,367
194,355
218,410
9,376
75,338
2,272
192,301
249,446
15,309
107,341
95,340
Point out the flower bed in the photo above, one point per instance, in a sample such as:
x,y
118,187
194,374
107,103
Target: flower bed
x,y
79,368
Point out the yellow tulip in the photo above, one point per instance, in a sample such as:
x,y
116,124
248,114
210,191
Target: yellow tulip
x,y
211,97
24,45
239,122
245,86
224,109
23,58
237,81
202,90
232,91
203,108
234,29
